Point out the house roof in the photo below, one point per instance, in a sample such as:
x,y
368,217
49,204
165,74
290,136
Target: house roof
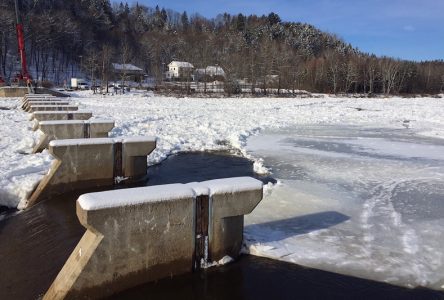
x,y
212,71
126,67
181,64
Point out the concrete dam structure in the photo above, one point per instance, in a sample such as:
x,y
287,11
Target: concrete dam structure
x,y
72,129
144,234
82,163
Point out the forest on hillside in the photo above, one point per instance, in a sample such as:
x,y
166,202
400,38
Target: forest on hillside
x,y
65,36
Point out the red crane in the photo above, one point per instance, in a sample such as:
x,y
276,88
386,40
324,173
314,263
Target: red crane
x,y
24,75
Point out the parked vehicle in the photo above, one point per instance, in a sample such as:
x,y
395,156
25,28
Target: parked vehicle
x,y
82,86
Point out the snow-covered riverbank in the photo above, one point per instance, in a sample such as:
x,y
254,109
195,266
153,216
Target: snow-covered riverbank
x,y
187,124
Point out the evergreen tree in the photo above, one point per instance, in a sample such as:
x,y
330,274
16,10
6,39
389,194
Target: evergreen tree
x,y
184,21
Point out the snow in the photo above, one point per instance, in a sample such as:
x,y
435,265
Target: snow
x,y
223,261
134,196
101,141
137,139
20,171
180,64
40,101
188,124
126,67
79,142
63,122
60,112
233,185
367,194
51,106
168,192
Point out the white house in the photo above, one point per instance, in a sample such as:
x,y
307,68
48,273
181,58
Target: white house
x,y
210,71
179,69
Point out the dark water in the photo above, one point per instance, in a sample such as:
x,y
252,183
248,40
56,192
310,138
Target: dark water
x,y
35,243
258,278
201,166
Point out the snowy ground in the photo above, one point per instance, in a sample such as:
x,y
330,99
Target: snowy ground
x,y
20,171
186,124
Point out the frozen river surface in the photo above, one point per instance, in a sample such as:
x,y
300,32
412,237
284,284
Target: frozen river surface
x,y
367,202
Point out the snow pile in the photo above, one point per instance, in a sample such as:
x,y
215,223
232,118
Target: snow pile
x,y
20,171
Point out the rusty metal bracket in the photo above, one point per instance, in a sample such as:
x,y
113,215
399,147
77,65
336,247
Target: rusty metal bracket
x,y
118,160
86,130
201,247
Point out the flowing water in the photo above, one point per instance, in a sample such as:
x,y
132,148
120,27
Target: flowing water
x,y
35,243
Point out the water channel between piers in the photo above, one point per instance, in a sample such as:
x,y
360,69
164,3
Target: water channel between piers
x,y
35,243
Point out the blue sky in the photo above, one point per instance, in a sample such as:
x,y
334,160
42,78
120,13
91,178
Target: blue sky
x,y
407,29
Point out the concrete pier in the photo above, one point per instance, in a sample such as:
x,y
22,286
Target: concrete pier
x,y
82,163
43,99
8,91
35,96
60,115
75,129
27,105
34,108
144,234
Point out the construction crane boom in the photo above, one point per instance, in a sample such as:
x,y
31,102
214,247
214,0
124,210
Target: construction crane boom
x,y
21,44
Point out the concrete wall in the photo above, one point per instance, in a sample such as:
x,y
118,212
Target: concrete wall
x,y
40,96
13,91
27,106
82,163
44,99
34,108
59,115
75,129
144,234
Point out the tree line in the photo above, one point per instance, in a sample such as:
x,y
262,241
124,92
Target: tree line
x,y
66,37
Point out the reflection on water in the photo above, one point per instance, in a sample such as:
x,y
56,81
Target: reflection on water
x,y
265,279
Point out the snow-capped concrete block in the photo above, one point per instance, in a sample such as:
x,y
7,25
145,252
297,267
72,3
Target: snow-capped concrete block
x,y
83,163
34,108
9,91
227,214
72,129
32,96
27,105
58,115
144,234
39,98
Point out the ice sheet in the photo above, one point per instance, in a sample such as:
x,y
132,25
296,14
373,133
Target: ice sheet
x,y
367,202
